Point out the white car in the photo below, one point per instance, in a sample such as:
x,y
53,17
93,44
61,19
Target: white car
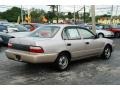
x,y
104,33
100,32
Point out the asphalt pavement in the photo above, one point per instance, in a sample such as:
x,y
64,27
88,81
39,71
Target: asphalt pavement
x,y
91,71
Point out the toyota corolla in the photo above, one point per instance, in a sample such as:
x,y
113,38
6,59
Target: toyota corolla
x,y
58,44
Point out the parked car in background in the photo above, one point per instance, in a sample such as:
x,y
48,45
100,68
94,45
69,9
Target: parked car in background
x,y
6,36
32,26
3,21
113,28
101,32
58,44
3,28
13,30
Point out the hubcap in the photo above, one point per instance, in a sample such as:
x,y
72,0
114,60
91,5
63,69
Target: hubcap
x,y
107,52
63,62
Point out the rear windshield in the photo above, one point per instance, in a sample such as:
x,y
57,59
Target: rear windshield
x,y
20,28
45,32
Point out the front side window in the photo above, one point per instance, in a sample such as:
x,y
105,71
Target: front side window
x,y
45,32
106,26
71,33
85,34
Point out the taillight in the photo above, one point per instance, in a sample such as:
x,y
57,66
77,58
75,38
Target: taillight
x,y
9,45
36,49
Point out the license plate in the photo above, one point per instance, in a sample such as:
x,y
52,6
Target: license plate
x,y
18,57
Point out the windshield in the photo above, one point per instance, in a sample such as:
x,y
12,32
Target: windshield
x,y
21,28
99,27
45,32
115,26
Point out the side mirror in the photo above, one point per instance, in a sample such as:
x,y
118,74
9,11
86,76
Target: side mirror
x,y
5,31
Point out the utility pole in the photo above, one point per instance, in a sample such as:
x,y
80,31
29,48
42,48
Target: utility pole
x,y
84,14
74,15
21,14
59,9
116,10
93,18
57,14
111,15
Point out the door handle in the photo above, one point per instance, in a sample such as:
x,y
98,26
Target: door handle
x,y
68,44
87,43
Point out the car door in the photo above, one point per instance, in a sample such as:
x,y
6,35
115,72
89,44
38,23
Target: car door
x,y
92,44
73,42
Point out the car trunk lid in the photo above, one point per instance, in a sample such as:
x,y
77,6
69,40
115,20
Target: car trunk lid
x,y
25,43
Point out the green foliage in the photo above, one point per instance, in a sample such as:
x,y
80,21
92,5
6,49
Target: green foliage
x,y
52,14
87,17
0,15
70,15
61,15
37,14
11,15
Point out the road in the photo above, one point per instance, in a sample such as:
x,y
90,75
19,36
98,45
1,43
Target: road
x,y
91,71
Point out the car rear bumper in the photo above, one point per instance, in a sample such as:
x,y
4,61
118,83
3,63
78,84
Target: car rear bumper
x,y
29,57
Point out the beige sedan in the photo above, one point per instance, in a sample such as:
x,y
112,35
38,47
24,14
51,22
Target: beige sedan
x,y
59,44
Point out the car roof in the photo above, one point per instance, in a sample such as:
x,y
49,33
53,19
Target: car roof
x,y
61,25
65,25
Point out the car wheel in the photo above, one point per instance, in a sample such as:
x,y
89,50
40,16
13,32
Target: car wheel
x,y
62,62
107,52
117,34
101,35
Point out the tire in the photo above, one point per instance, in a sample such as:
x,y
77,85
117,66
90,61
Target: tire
x,y
100,35
107,52
62,62
117,34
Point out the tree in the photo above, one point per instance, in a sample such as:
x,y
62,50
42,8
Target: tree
x,y
53,12
53,7
0,15
70,15
61,15
87,17
11,15
37,14
50,16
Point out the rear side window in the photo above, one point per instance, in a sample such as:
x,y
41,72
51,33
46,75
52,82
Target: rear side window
x,y
2,28
71,33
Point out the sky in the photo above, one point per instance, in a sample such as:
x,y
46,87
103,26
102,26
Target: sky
x,y
100,9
